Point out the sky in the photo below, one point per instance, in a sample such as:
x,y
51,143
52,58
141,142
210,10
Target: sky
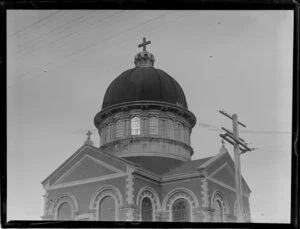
x,y
61,62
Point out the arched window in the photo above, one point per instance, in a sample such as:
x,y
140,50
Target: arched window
x,y
170,129
186,135
109,132
102,136
180,132
147,212
181,211
107,209
64,212
218,211
119,129
153,124
135,126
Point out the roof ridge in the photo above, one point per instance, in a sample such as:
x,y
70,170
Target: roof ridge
x,y
184,163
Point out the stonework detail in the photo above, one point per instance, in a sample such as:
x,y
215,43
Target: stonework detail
x,y
144,59
151,193
218,196
204,192
129,188
46,203
130,210
153,196
205,199
180,193
64,198
108,190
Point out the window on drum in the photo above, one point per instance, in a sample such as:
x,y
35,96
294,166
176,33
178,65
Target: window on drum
x,y
135,126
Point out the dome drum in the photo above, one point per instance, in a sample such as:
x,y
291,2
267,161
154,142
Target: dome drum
x,y
158,127
149,146
145,105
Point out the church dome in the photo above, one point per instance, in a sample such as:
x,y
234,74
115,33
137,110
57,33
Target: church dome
x,y
145,115
144,83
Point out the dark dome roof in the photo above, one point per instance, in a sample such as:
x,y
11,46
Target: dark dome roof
x,y
144,83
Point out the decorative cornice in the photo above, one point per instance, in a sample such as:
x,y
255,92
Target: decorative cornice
x,y
73,167
45,182
139,138
180,176
86,181
188,115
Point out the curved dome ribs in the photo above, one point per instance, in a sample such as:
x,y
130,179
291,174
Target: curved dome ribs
x,y
144,83
145,92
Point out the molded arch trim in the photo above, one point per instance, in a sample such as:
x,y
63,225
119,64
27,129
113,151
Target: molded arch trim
x,y
152,194
64,198
180,193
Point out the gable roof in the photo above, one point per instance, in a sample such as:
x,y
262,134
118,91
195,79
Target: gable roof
x,y
231,161
165,169
83,150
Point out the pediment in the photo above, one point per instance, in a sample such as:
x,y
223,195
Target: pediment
x,y
224,174
87,168
222,171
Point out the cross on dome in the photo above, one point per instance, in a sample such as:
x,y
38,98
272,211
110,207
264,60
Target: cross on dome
x,y
144,44
144,58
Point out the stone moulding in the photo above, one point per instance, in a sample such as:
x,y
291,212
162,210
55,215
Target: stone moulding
x,y
177,193
60,199
107,190
185,113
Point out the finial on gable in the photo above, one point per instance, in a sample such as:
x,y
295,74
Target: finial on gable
x,y
223,148
88,141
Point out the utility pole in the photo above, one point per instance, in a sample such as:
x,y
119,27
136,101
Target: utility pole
x,y
240,147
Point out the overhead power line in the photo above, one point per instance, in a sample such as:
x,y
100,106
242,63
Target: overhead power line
x,y
211,127
19,32
89,46
45,36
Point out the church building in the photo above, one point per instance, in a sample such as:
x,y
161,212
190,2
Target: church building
x,y
142,170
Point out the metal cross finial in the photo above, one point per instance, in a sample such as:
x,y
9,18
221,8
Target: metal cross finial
x,y
144,44
223,143
89,133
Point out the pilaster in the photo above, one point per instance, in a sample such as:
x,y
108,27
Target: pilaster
x,y
205,200
129,207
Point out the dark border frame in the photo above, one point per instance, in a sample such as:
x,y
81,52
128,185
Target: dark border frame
x,y
155,5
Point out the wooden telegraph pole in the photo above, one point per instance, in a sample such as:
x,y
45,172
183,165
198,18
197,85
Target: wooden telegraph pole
x,y
240,147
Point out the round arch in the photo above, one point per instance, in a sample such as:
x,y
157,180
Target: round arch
x,y
64,198
152,195
108,190
178,193
219,196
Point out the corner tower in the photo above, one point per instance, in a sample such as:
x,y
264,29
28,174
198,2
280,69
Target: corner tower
x,y
144,116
